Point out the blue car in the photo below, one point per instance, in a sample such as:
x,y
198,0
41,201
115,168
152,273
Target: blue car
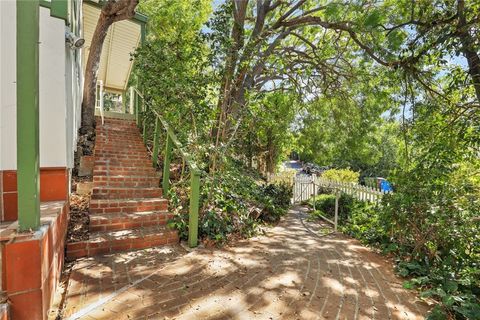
x,y
384,185
379,183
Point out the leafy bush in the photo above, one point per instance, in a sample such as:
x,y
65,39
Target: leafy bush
x,y
232,204
342,175
432,229
276,199
363,223
325,205
432,220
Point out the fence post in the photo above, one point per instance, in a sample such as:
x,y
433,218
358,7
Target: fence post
x,y
314,196
156,138
336,209
166,165
193,216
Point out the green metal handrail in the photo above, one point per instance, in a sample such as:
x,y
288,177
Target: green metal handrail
x,y
172,141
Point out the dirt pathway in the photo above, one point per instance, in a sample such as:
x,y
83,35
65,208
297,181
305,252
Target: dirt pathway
x,y
290,273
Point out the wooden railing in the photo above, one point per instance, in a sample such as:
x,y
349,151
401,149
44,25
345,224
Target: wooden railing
x,y
171,143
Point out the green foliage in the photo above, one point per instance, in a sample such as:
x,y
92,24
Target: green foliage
x,y
335,102
276,198
234,204
325,205
353,130
265,135
341,175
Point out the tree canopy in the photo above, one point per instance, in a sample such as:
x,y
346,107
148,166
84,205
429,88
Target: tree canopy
x,y
385,88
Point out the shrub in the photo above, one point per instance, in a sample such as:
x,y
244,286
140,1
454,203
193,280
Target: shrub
x,y
325,205
234,203
341,175
276,200
430,225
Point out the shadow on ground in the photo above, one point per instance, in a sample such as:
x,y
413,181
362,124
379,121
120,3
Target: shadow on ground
x,y
293,272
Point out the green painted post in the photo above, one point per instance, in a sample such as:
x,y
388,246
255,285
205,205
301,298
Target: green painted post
x,y
193,216
166,165
144,122
137,111
156,138
143,33
28,171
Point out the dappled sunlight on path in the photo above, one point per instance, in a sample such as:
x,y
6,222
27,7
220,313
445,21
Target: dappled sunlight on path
x,y
293,272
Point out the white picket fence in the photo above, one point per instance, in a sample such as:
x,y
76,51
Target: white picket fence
x,y
306,186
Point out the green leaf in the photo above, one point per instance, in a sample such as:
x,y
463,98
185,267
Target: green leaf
x,y
373,19
408,285
427,294
332,10
448,300
469,310
450,286
437,314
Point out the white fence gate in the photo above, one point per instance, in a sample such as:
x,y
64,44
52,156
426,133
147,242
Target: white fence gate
x,y
308,186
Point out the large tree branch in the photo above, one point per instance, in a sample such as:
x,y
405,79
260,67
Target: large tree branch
x,y
468,50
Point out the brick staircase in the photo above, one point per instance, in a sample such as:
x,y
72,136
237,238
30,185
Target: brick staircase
x,y
127,210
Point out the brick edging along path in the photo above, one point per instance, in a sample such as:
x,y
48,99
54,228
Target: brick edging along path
x,y
289,273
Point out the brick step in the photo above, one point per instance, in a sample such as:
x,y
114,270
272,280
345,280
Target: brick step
x,y
125,147
124,134
99,154
123,182
127,205
142,166
112,241
109,120
114,120
122,221
128,135
121,158
126,193
120,128
118,141
117,153
111,125
123,162
117,135
124,171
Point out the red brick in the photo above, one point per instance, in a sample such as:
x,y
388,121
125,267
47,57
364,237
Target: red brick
x,y
23,266
27,306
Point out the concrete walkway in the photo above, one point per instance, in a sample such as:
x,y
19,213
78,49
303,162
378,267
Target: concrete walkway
x,y
290,273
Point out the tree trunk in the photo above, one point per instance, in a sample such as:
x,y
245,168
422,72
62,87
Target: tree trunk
x,y
112,11
467,48
93,63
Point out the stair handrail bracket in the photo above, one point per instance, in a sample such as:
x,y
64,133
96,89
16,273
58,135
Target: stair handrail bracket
x,y
171,143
